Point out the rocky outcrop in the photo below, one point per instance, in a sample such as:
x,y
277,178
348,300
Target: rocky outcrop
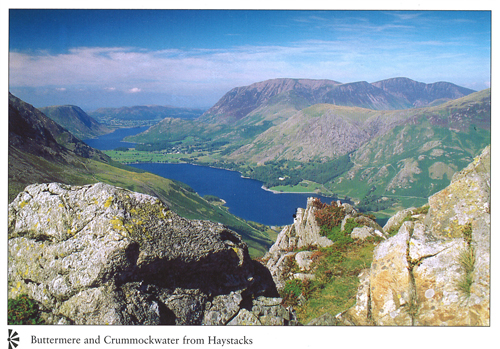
x,y
99,254
304,232
435,270
290,258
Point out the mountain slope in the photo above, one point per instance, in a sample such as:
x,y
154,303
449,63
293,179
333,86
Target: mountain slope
x,y
75,120
245,112
419,156
240,101
327,131
31,131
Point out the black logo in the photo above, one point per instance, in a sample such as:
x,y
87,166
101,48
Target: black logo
x,y
13,339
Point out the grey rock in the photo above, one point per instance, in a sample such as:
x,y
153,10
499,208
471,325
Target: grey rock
x,y
365,232
99,254
324,320
304,260
245,318
362,233
397,219
223,308
304,232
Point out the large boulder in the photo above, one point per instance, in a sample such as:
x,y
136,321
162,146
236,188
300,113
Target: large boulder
x,y
99,254
435,270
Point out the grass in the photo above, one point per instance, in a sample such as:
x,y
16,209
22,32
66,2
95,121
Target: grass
x,y
467,261
335,286
23,311
336,268
136,156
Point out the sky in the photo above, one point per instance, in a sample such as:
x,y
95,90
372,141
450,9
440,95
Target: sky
x,y
191,58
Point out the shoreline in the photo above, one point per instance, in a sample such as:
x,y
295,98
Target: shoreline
x,y
241,175
292,192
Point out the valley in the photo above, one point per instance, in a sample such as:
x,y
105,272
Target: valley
x,y
39,146
386,173
284,133
382,159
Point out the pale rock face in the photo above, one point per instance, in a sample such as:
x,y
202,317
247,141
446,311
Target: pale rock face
x,y
365,232
304,231
98,255
414,276
304,260
397,219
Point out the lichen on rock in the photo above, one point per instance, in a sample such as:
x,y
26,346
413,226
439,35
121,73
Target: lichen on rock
x,y
99,254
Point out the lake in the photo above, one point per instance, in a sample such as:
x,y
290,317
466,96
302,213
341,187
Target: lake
x,y
244,197
113,140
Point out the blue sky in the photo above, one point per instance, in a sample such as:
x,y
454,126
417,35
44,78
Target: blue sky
x,y
112,58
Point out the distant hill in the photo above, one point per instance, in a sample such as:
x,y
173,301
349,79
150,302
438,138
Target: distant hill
x,y
41,151
397,93
142,115
76,121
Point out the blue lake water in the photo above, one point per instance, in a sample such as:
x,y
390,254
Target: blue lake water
x,y
244,197
113,140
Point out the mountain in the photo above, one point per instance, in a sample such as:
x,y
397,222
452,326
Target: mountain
x,y
75,120
240,101
397,93
246,112
327,131
41,151
32,132
142,115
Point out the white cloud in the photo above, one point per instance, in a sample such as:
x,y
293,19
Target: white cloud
x,y
204,72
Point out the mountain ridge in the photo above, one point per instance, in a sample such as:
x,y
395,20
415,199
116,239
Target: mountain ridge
x,y
395,93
